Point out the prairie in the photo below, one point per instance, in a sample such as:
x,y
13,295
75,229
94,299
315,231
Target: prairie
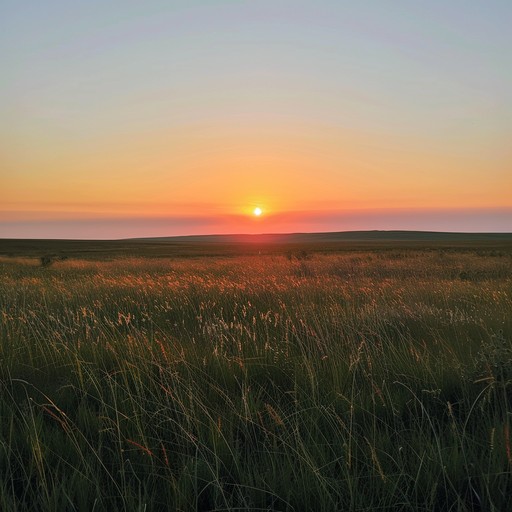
x,y
373,378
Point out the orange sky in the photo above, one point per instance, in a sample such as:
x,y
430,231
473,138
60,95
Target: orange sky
x,y
208,170
205,112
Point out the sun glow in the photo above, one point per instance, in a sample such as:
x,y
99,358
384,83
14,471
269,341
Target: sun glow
x,y
257,211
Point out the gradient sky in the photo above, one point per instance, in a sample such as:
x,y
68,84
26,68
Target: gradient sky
x,y
123,118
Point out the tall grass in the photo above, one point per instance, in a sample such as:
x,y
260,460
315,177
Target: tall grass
x,y
355,381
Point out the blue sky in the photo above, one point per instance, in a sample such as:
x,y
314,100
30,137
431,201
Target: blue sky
x,y
180,110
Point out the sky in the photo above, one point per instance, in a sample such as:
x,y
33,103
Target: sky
x,y
125,119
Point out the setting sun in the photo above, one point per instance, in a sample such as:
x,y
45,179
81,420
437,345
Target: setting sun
x,y
241,117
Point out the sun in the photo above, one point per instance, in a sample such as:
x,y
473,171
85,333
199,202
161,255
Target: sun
x,y
257,211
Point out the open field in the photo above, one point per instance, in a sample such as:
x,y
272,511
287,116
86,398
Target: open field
x,y
282,376
241,245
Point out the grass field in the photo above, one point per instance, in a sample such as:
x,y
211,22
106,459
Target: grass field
x,y
373,378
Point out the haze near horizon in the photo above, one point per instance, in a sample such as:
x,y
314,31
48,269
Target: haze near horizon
x,y
176,118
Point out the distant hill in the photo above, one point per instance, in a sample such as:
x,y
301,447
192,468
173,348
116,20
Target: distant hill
x,y
339,236
235,245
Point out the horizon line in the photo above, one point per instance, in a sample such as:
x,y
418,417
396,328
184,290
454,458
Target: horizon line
x,y
269,234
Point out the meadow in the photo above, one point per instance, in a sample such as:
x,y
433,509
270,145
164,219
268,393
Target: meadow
x,y
362,379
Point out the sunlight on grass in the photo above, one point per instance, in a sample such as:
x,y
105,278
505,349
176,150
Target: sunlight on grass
x,y
354,381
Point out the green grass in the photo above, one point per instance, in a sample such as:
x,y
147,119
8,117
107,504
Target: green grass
x,y
354,380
